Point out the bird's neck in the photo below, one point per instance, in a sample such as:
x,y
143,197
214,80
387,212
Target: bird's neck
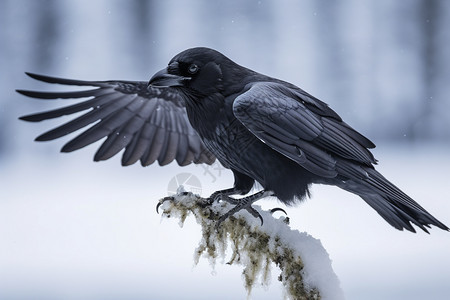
x,y
207,113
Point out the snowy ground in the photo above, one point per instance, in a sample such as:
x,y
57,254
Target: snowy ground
x,y
71,228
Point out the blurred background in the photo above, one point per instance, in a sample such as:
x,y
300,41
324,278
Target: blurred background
x,y
71,228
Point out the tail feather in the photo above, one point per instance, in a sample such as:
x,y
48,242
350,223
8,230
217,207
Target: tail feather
x,y
397,208
393,214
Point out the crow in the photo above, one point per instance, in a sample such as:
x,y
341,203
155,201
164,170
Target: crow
x,y
203,107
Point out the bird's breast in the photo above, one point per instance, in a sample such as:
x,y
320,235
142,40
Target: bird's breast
x,y
230,142
223,135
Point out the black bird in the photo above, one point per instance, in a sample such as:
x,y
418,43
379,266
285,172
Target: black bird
x,y
204,106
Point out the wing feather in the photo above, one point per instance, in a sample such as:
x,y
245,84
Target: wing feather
x,y
154,149
283,119
150,123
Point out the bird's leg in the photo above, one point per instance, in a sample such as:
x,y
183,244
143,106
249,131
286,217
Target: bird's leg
x,y
242,185
244,203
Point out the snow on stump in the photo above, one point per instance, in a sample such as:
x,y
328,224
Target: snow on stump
x,y
306,271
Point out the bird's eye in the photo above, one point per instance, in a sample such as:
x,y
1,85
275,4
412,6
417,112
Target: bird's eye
x,y
193,68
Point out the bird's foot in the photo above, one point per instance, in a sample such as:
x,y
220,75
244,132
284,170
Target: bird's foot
x,y
243,203
222,195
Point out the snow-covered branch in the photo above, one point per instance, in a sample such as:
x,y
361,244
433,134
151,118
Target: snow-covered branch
x,y
306,271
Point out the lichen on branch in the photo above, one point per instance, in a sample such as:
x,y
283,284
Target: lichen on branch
x,y
305,268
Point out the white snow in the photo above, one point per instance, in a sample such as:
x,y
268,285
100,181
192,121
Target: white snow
x,y
305,264
70,227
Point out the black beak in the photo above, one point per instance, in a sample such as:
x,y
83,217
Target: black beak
x,y
164,79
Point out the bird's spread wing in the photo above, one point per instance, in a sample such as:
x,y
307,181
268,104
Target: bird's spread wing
x,y
150,123
300,127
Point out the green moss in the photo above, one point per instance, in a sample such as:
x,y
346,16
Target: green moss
x,y
252,248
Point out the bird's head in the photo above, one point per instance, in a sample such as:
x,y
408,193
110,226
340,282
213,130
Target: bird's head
x,y
198,70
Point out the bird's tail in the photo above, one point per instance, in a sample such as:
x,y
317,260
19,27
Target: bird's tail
x,y
397,208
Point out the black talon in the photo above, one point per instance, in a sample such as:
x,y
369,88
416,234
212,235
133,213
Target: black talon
x,y
278,209
157,207
256,214
169,198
